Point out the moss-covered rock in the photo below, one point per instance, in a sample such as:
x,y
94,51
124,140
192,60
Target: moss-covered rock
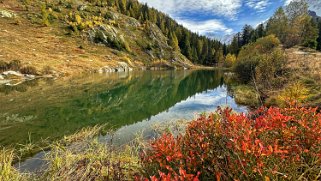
x,y
7,14
108,36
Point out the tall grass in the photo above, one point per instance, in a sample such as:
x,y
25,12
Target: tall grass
x,y
80,156
7,171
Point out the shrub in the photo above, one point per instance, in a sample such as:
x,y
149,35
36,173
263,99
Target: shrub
x,y
262,61
45,16
246,69
28,70
47,70
274,143
270,69
15,65
76,22
3,66
293,94
229,60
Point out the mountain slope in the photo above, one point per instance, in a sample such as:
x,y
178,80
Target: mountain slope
x,y
68,37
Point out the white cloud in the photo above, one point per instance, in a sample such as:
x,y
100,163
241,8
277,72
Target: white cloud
x,y
258,5
287,2
225,8
208,27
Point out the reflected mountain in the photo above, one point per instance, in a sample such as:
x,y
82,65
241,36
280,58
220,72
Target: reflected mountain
x,y
51,109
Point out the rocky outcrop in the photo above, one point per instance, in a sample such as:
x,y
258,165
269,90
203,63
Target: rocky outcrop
x,y
108,36
12,75
8,76
6,14
121,67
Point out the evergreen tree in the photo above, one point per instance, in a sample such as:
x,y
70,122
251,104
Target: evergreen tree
x,y
204,54
195,55
186,44
278,25
198,48
309,33
259,32
319,38
247,34
123,6
236,44
219,57
173,42
303,30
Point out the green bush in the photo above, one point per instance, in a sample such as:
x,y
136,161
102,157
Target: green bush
x,y
269,72
262,61
246,69
45,16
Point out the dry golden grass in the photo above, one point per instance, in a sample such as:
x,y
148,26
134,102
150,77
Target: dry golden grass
x,y
305,62
305,67
42,46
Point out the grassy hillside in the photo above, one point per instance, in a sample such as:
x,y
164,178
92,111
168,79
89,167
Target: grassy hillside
x,y
306,68
69,37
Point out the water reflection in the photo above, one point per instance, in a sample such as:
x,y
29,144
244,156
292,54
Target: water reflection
x,y
62,107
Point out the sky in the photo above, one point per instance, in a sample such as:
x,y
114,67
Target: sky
x,y
220,19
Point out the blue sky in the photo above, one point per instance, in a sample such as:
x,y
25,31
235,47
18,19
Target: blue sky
x,y
221,18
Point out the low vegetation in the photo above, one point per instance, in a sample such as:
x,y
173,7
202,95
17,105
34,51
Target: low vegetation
x,y
265,144
28,70
246,95
12,65
7,171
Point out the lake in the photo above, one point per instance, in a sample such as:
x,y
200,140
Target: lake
x,y
128,102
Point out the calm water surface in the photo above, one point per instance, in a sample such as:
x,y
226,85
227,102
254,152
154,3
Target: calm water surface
x,y
128,102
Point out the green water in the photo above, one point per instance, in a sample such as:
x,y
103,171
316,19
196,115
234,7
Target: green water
x,y
48,109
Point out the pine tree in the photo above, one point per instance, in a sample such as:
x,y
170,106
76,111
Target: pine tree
x,y
199,47
173,41
195,47
319,38
247,34
236,44
309,33
187,50
194,55
278,25
259,32
205,53
219,57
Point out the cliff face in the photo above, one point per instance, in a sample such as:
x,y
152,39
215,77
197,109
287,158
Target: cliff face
x,y
70,37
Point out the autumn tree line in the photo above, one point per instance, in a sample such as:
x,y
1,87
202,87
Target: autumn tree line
x,y
259,60
292,25
199,49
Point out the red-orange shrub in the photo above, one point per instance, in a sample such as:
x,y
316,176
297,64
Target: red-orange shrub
x,y
269,143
